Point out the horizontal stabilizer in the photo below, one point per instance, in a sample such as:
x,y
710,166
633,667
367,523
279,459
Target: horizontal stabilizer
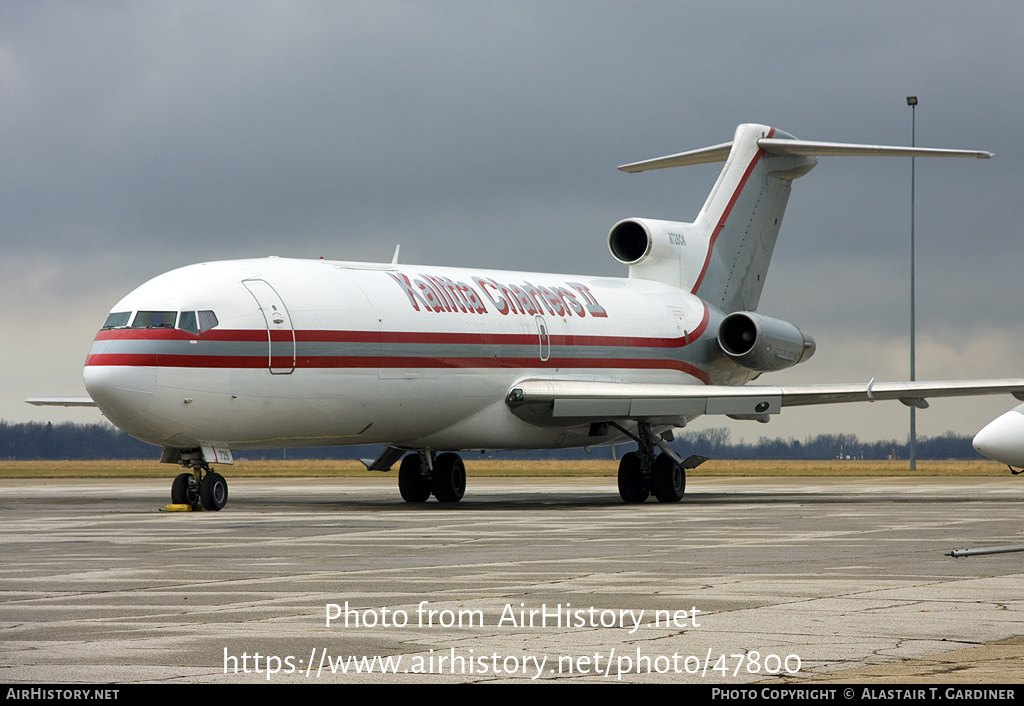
x,y
61,401
705,155
805,148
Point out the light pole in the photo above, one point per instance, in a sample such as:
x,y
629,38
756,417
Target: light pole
x,y
912,102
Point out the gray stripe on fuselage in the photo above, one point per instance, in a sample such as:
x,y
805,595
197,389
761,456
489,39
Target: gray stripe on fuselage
x,y
346,349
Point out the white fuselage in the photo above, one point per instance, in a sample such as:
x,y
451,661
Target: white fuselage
x,y
1002,439
315,352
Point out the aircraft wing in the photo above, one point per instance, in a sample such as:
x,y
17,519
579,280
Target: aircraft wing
x,y
547,402
61,401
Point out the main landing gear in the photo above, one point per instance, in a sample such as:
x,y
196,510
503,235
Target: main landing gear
x,y
641,472
421,475
202,488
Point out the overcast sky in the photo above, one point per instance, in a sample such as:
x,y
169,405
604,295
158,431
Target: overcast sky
x,y
138,137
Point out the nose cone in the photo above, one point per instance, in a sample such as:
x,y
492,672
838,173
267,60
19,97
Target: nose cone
x,y
121,392
1003,438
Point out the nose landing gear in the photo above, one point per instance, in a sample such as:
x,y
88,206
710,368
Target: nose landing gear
x,y
202,488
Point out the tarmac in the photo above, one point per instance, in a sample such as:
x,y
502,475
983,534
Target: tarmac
x,y
339,581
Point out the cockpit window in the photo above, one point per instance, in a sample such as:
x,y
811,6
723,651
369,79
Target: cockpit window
x,y
155,319
187,322
117,319
197,322
192,321
207,321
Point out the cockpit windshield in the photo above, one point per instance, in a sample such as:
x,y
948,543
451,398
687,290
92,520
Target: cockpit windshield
x,y
155,319
117,319
192,321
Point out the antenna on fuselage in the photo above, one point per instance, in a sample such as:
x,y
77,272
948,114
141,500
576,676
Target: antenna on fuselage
x,y
394,259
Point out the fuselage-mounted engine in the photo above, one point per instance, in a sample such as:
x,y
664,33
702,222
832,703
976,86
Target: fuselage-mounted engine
x,y
664,251
762,343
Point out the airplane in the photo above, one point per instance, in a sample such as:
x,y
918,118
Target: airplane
x,y
1002,439
429,361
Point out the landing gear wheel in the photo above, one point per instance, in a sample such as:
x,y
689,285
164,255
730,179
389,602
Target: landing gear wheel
x,y
213,491
411,483
185,490
449,478
668,479
633,486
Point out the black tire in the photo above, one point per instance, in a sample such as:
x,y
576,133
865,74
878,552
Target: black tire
x,y
411,483
449,478
185,490
213,491
632,485
668,479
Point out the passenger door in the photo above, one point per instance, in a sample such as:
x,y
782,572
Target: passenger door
x,y
280,333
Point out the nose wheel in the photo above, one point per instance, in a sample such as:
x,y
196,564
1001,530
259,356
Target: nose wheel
x,y
202,488
213,491
185,491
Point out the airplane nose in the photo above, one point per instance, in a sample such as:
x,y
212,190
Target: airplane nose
x,y
121,392
1002,439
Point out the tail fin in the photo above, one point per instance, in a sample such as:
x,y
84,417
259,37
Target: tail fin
x,y
742,216
723,256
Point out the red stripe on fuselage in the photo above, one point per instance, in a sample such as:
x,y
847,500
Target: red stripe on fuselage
x,y
387,362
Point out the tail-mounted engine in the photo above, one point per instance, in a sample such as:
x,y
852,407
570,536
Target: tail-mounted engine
x,y
663,251
761,343
632,240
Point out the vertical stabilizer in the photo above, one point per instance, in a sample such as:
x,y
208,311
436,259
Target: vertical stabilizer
x,y
723,256
742,216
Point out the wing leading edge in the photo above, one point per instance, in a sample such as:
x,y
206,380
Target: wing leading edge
x,y
548,402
